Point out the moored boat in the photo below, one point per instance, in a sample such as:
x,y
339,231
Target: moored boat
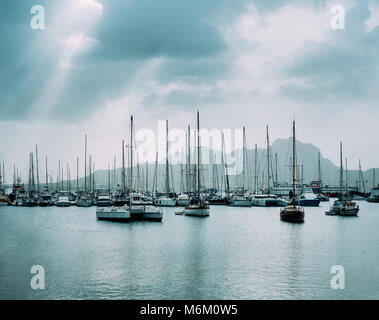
x,y
63,201
198,207
374,196
84,202
293,213
118,214
240,201
165,202
183,200
342,207
104,201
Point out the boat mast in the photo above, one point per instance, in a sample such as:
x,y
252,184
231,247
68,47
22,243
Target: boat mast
x,y
167,188
225,166
347,191
90,173
85,164
147,177
58,176
319,171
268,161
341,172
189,161
243,160
109,178
276,170
114,172
37,170
77,173
68,177
62,177
47,175
293,162
198,155
361,177
123,166
155,179
93,177
131,154
256,170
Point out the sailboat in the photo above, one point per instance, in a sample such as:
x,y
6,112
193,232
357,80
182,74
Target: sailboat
x,y
374,195
341,206
139,210
84,200
222,199
293,213
197,207
240,199
166,200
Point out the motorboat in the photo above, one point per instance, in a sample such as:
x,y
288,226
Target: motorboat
x,y
63,201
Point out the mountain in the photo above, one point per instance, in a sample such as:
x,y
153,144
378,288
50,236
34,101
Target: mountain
x,y
307,157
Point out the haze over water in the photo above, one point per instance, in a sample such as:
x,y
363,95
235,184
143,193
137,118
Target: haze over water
x,y
236,253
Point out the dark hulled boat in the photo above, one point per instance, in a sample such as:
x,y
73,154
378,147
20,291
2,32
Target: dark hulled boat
x,y
293,213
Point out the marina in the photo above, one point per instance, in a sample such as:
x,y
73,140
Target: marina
x,y
189,150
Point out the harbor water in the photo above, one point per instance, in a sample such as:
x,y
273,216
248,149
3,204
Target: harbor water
x,y
235,253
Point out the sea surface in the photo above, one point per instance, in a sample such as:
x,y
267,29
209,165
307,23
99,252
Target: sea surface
x,y
236,253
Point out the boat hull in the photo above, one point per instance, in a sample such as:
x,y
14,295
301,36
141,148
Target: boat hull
x,y
275,203
196,212
309,202
145,213
291,214
165,203
63,204
219,202
241,203
113,214
349,213
182,202
258,202
84,204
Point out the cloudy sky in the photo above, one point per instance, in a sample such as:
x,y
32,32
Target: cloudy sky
x,y
240,62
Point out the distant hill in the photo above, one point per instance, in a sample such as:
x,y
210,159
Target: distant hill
x,y
306,152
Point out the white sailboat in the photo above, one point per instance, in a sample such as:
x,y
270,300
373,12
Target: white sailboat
x,y
240,199
165,200
139,208
342,207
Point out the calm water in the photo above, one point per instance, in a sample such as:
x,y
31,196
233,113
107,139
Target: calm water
x,y
236,253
